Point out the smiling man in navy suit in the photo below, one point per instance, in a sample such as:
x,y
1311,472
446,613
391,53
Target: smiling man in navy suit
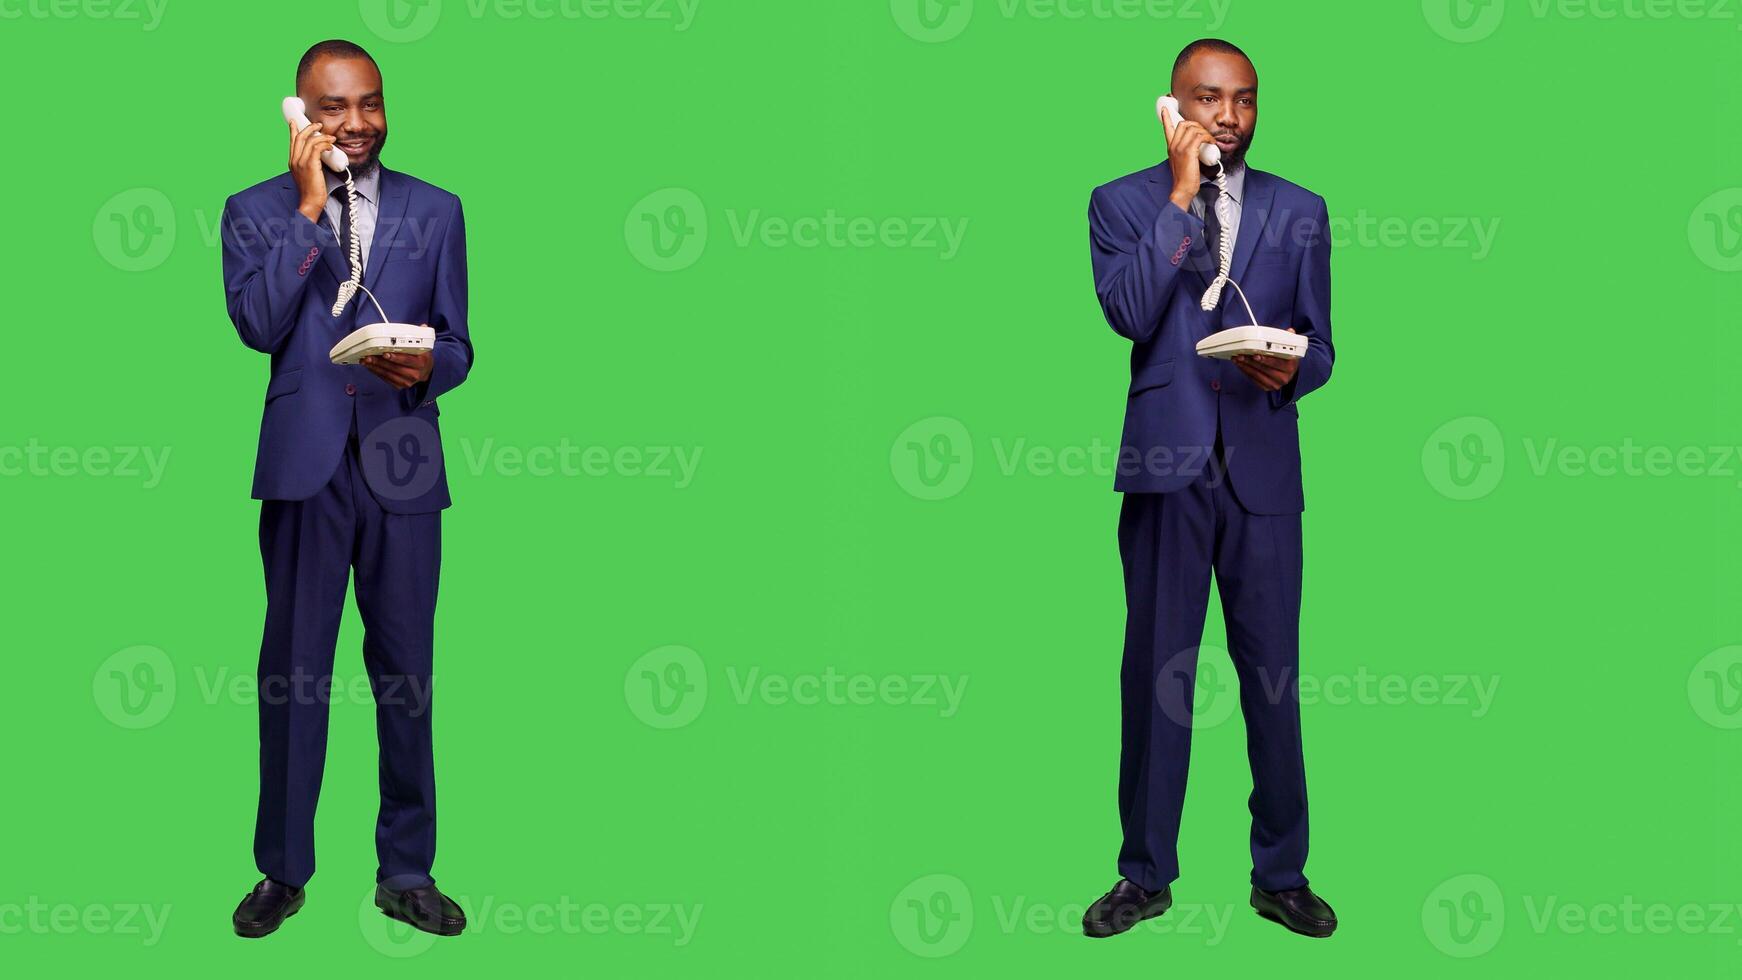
x,y
350,476
1209,466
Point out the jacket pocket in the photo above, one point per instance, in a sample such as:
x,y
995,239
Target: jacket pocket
x,y
1153,376
283,384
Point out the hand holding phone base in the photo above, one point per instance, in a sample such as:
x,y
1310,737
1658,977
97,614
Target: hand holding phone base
x,y
1253,340
379,338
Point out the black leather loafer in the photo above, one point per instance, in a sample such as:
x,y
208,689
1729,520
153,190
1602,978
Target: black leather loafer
x,y
265,909
423,907
1297,909
1123,907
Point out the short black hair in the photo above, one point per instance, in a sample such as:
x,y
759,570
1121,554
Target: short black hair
x,y
335,48
1209,44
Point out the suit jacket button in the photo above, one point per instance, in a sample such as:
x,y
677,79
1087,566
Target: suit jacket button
x,y
350,389
1214,386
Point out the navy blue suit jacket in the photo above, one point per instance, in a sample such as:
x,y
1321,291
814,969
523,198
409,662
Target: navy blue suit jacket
x,y
1151,267
281,275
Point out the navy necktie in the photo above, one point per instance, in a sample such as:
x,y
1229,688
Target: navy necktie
x,y
344,222
1207,193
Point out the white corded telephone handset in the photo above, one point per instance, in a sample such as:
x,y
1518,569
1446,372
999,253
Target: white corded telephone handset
x,y
1210,155
1236,340
375,338
334,158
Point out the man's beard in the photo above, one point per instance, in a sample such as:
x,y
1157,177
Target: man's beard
x,y
1237,156
369,165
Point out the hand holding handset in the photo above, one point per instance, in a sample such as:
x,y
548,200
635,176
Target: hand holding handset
x,y
294,113
1167,110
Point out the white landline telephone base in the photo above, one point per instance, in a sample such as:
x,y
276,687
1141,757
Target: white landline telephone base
x,y
1253,340
379,338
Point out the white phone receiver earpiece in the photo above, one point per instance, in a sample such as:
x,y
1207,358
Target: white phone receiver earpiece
x,y
295,114
1167,110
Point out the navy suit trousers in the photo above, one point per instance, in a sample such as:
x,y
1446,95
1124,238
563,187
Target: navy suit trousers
x,y
309,549
1169,543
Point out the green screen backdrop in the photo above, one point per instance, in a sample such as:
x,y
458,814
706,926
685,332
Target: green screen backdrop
x,y
781,612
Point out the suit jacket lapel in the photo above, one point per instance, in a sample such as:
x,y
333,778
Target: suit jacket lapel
x,y
1254,212
389,222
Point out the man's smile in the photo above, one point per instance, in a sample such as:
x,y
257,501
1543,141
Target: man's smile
x,y
358,148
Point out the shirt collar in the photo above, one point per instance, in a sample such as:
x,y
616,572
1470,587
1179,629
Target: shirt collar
x,y
1236,183
368,188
